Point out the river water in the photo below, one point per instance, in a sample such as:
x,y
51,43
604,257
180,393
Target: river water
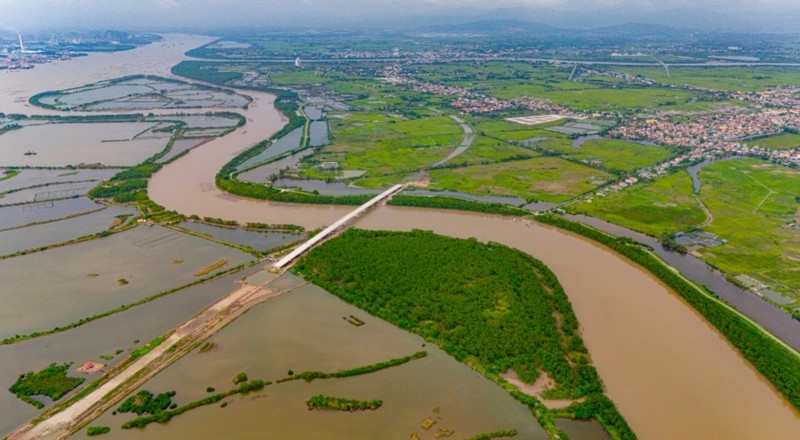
x,y
670,373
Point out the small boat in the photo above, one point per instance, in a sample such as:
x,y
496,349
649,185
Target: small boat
x,y
30,153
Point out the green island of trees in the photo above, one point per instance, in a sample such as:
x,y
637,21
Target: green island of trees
x,y
309,376
52,382
240,378
97,430
164,415
143,402
490,306
340,404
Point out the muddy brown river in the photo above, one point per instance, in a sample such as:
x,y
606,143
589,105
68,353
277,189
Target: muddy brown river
x,y
670,373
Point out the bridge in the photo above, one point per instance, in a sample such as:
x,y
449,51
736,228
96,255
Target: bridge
x,y
339,223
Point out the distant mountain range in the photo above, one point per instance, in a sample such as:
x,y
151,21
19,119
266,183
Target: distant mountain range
x,y
607,20
510,27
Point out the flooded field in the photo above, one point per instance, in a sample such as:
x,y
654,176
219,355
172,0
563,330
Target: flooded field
x,y
91,277
143,93
181,146
59,145
285,334
50,192
103,337
32,237
21,215
318,133
203,121
314,113
285,144
265,172
262,241
28,178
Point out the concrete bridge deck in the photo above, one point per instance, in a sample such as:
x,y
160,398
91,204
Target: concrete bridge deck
x,y
339,223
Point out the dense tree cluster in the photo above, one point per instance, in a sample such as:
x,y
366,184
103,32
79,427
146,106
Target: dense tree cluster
x,y
480,301
165,415
144,402
51,381
97,430
487,304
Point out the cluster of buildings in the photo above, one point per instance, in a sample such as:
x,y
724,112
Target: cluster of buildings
x,y
780,98
616,186
15,58
717,134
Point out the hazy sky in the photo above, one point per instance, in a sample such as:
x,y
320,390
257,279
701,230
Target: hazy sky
x,y
127,14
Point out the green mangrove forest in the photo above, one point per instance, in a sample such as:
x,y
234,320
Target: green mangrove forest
x,y
488,305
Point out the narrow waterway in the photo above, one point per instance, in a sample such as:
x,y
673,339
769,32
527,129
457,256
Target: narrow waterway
x,y
760,310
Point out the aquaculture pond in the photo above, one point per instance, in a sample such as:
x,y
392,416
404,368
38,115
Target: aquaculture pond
x,y
284,334
36,236
259,240
60,145
99,275
101,340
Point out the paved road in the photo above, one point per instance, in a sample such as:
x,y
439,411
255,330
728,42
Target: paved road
x,y
466,142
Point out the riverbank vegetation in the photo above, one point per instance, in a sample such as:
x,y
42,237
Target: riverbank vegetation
x,y
51,381
490,306
778,363
453,203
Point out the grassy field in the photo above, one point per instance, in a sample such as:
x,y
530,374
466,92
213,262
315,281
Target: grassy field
x,y
754,205
516,80
663,206
297,77
383,144
620,155
616,98
488,150
777,142
721,78
537,135
545,178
